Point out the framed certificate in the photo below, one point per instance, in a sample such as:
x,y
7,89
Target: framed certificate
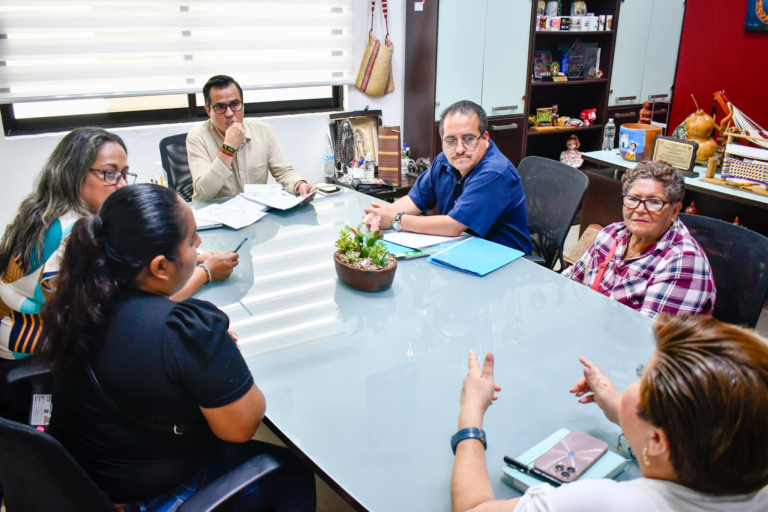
x,y
679,153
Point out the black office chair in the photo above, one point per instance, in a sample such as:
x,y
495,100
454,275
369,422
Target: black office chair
x,y
173,153
38,473
553,193
19,381
739,261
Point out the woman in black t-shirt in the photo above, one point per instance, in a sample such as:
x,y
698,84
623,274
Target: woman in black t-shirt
x,y
152,397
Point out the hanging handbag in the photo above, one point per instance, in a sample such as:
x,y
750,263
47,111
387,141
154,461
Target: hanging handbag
x,y
375,75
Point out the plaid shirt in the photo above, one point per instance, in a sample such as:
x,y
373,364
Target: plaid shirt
x,y
673,276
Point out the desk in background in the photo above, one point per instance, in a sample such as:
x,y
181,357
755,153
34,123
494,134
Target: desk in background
x,y
401,190
365,387
711,200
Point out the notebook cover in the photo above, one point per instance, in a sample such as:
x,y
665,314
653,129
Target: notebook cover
x,y
390,151
476,256
608,466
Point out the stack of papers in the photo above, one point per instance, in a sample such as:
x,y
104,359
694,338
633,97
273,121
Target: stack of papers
x,y
273,196
417,241
236,213
475,256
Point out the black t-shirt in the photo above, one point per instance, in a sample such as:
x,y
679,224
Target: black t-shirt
x,y
159,362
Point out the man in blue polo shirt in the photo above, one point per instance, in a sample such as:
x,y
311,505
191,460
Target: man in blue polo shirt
x,y
474,186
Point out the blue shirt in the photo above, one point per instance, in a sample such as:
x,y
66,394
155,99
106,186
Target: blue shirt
x,y
489,200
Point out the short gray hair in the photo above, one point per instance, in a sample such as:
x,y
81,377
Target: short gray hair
x,y
663,172
466,108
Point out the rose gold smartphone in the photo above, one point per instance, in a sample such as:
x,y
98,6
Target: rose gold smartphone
x,y
571,457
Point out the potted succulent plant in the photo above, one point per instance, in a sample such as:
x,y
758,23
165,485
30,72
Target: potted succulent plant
x,y
362,260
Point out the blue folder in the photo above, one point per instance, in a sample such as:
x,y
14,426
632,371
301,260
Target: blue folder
x,y
475,256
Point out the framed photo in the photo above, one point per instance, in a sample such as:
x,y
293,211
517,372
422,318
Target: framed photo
x,y
757,17
680,153
365,141
541,63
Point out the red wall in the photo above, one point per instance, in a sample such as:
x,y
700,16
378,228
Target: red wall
x,y
717,53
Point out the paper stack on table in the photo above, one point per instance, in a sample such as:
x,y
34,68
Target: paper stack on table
x,y
236,213
274,196
417,241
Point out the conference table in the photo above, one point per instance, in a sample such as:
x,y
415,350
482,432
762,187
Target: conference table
x,y
365,386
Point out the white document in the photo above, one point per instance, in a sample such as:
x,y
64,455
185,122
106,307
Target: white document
x,y
236,215
417,241
273,196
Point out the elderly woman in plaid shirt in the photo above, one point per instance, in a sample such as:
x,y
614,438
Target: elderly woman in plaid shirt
x,y
650,262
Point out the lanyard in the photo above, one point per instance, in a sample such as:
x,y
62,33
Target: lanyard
x,y
603,267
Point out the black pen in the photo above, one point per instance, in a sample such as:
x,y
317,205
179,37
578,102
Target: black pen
x,y
241,244
524,468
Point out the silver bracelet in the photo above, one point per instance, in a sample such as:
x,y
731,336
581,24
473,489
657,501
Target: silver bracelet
x,y
207,272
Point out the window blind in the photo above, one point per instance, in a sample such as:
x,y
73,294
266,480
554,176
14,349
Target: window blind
x,y
61,49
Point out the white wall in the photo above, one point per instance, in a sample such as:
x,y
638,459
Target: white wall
x,y
302,137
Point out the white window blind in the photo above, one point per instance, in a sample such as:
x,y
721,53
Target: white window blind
x,y
61,49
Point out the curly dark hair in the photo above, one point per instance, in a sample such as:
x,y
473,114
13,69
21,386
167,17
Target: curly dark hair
x,y
663,172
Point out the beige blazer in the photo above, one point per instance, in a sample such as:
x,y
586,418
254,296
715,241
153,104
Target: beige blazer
x,y
261,154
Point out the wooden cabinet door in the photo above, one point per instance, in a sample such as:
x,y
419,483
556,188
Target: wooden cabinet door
x,y
460,52
507,133
630,54
507,33
663,48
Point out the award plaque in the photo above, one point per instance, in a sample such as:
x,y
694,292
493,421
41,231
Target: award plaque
x,y
679,153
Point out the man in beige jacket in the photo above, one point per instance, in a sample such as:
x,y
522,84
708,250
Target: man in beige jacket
x,y
227,152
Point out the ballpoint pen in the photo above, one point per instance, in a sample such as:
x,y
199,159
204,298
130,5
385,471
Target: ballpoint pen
x,y
241,244
524,468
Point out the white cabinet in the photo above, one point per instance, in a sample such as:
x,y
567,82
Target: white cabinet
x,y
663,47
482,54
507,32
460,52
647,45
630,54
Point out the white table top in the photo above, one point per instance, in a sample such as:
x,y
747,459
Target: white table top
x,y
614,158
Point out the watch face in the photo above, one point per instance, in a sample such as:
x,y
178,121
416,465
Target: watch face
x,y
396,226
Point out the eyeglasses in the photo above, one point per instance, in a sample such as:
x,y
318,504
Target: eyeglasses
x,y
652,205
113,177
468,141
221,108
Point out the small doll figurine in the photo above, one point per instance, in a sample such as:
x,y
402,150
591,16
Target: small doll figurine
x,y
645,113
555,114
572,157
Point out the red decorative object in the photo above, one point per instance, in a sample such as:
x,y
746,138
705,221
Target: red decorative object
x,y
589,116
692,209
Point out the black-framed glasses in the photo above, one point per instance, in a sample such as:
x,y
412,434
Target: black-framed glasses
x,y
113,177
652,205
468,141
220,108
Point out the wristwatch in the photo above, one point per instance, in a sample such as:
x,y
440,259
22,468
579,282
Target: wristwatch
x,y
396,223
468,433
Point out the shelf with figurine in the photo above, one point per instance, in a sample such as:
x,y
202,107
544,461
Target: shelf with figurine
x,y
549,120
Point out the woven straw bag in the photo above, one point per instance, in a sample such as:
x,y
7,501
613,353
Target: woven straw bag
x,y
375,75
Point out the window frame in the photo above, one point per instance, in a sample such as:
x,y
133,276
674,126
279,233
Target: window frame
x,y
36,126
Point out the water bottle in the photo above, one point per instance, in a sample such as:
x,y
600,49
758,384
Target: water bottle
x,y
159,176
609,136
370,166
330,166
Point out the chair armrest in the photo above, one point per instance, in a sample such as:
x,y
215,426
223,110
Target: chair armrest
x,y
536,259
226,486
29,369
